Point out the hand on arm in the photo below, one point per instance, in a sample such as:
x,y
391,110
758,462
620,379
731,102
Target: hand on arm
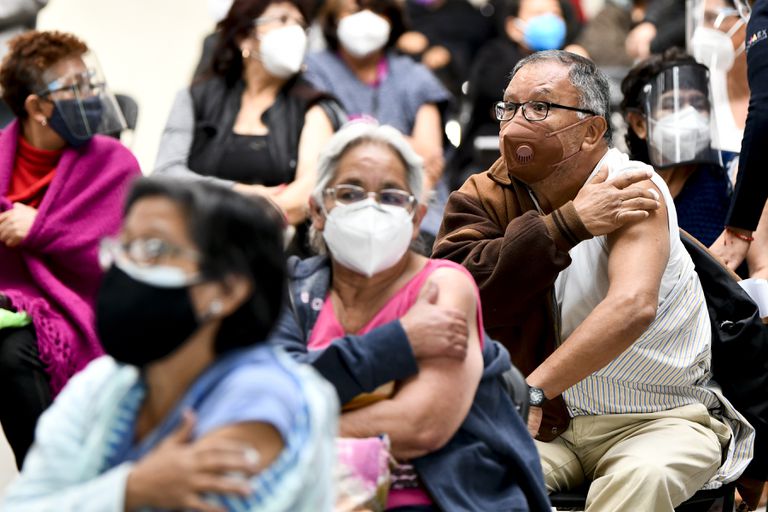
x,y
178,472
428,409
435,330
605,205
16,223
293,198
626,312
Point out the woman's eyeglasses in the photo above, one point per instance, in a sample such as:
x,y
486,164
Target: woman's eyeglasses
x,y
349,194
282,20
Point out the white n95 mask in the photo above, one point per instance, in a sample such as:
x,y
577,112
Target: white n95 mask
x,y
714,48
680,137
282,51
368,237
363,33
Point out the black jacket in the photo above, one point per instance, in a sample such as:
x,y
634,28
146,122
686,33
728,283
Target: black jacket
x,y
217,105
752,185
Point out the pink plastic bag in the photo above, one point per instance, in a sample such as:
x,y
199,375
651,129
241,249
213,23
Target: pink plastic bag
x,y
363,473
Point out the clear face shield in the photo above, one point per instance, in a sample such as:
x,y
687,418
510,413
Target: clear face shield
x,y
744,7
84,105
677,110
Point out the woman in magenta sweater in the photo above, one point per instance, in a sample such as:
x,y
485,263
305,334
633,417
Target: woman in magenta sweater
x,y
61,189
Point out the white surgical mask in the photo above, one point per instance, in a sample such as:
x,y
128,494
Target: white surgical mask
x,y
368,237
282,51
714,48
363,33
680,137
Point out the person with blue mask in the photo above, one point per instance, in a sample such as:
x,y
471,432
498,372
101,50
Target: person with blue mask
x,y
525,26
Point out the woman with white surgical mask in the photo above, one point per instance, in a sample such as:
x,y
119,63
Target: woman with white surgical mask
x,y
360,293
362,70
252,122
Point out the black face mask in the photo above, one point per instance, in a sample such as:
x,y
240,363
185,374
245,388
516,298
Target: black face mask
x,y
139,323
76,120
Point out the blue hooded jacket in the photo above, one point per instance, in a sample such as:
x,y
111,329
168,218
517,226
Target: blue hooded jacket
x,y
491,463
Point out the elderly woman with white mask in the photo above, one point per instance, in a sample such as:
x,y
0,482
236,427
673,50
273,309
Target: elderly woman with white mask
x,y
251,122
365,214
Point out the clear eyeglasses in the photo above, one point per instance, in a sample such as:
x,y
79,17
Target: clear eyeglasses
x,y
149,261
282,20
345,194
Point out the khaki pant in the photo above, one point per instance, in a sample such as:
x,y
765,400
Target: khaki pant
x,y
639,462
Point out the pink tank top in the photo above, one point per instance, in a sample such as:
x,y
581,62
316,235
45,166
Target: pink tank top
x,y
327,328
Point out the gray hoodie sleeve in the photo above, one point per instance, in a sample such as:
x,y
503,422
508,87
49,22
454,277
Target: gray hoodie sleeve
x,y
176,142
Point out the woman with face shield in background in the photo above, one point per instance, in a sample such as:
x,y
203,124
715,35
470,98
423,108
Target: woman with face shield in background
x,y
667,108
60,190
252,122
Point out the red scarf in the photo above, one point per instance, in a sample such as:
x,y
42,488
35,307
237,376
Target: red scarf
x,y
33,171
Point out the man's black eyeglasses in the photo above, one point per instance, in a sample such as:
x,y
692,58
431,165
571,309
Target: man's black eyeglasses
x,y
532,110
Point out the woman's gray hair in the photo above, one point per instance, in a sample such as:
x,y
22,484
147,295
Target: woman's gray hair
x,y
354,134
585,76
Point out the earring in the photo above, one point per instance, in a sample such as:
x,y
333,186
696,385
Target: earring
x,y
215,308
44,122
246,53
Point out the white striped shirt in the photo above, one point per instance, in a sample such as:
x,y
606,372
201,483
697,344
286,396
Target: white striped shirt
x,y
669,365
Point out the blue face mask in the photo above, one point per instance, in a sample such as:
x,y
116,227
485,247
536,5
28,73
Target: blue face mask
x,y
76,120
545,32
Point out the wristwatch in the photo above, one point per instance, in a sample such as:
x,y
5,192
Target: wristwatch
x,y
536,396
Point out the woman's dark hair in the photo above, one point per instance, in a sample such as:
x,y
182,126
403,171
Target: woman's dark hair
x,y
632,88
227,60
328,18
29,56
235,236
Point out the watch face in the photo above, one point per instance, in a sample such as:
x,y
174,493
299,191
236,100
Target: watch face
x,y
535,396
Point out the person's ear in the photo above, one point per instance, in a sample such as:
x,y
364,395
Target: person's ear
x,y
636,122
596,129
36,109
235,290
513,30
316,214
219,299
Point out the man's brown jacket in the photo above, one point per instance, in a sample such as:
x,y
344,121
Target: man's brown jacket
x,y
493,228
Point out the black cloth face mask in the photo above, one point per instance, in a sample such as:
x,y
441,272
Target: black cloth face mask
x,y
139,323
76,120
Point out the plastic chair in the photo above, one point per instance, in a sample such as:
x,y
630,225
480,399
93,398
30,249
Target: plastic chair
x,y
130,110
6,114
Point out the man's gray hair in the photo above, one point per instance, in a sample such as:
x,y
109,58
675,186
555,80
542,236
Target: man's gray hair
x,y
355,134
585,76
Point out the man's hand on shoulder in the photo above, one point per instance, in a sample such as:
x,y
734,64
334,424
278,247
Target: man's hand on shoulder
x,y
606,205
434,330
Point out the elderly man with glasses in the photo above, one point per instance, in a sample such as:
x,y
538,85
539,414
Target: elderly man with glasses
x,y
583,277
